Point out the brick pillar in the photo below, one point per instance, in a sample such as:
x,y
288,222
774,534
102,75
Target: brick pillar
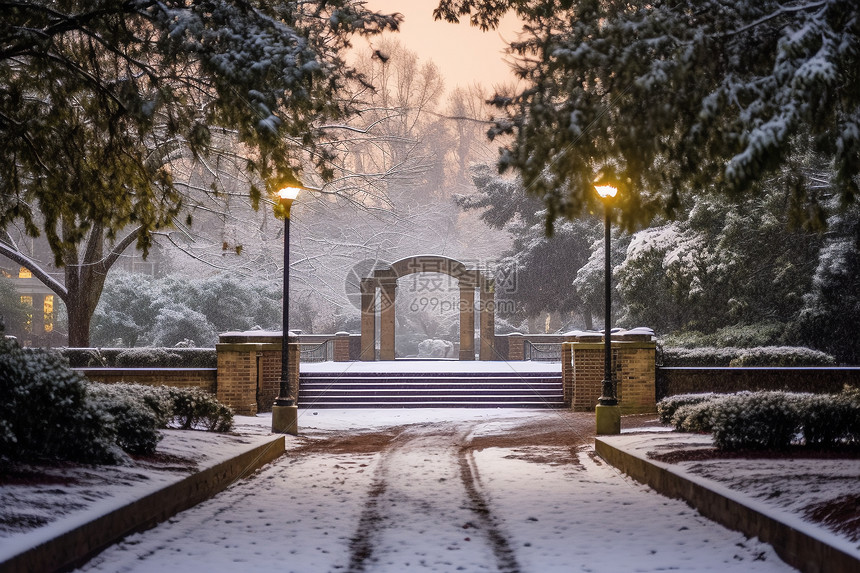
x,y
587,360
633,368
567,372
237,377
249,370
636,373
341,347
516,351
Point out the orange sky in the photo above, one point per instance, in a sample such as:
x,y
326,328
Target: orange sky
x,y
464,54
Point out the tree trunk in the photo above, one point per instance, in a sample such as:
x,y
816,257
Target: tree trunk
x,y
586,314
85,281
80,316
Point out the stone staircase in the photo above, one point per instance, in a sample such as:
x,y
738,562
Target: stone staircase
x,y
436,390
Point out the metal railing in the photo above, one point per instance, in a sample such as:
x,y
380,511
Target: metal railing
x,y
316,352
542,351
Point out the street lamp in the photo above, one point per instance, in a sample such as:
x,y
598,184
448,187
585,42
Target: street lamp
x,y
607,412
284,410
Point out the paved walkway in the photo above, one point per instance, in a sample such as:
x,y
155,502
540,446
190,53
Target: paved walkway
x,y
511,491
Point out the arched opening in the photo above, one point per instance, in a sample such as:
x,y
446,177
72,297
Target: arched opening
x,y
385,281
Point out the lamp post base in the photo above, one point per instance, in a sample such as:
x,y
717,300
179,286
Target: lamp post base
x,y
285,420
608,419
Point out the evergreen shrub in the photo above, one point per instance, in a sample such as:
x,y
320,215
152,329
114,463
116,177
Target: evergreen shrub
x,y
138,412
754,420
697,417
767,420
736,336
50,411
667,407
45,413
194,408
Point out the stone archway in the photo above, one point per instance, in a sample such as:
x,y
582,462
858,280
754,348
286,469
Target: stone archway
x,y
385,280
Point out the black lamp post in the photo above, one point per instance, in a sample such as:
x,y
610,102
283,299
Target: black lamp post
x,y
286,196
607,192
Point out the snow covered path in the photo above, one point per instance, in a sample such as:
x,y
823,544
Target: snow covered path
x,y
516,491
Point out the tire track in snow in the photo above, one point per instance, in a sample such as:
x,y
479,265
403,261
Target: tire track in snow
x,y
505,557
425,509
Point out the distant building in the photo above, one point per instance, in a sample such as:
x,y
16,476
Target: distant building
x,y
41,327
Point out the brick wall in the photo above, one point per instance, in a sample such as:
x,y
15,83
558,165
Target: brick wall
x,y
684,380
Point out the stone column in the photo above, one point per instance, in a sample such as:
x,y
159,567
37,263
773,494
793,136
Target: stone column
x,y
388,290
488,321
368,320
467,321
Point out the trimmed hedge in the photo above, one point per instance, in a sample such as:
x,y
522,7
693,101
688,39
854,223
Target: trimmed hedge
x,y
783,356
140,357
770,420
772,356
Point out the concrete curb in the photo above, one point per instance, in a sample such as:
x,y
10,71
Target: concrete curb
x,y
801,549
75,546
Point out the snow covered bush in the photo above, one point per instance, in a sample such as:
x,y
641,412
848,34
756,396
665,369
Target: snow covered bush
x,y
851,393
194,408
667,407
84,357
776,356
705,356
137,414
772,356
146,358
764,420
167,406
827,420
767,419
45,413
696,417
141,357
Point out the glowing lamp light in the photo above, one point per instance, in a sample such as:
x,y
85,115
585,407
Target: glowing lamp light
x,y
289,193
606,191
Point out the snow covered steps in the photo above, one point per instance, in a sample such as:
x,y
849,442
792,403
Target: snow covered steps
x,y
437,390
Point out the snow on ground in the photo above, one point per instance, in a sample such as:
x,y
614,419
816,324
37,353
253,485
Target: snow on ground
x,y
38,503
423,489
802,491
